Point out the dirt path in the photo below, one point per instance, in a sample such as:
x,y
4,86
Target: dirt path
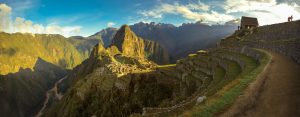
x,y
276,92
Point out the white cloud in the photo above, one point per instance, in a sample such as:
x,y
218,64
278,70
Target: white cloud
x,y
194,12
110,24
4,9
267,11
232,6
199,6
4,17
26,26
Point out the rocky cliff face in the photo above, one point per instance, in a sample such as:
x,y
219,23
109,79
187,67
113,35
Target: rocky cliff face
x,y
128,43
85,44
106,35
133,46
100,78
155,52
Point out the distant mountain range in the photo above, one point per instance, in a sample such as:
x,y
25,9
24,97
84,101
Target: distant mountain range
x,y
178,41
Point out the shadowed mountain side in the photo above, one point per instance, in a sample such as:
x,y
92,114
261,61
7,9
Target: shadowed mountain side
x,y
84,45
185,39
155,52
106,35
111,96
22,93
106,85
177,41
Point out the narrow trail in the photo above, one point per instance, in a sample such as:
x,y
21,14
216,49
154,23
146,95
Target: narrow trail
x,y
48,96
275,93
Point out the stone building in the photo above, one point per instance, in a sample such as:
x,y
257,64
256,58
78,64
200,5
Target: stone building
x,y
248,22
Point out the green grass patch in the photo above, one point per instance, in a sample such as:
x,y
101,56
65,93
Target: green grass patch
x,y
233,71
223,99
169,65
192,55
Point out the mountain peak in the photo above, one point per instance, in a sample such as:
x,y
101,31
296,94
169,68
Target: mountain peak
x,y
128,43
125,28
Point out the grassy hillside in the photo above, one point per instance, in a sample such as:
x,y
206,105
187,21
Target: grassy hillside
x,y
22,50
84,45
29,65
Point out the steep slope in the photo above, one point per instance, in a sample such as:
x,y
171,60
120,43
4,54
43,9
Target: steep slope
x,y
22,50
282,38
187,38
22,93
128,43
276,92
155,52
97,80
174,39
120,81
106,35
117,85
84,44
29,65
131,45
126,79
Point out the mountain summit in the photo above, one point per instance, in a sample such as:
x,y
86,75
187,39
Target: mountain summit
x,y
128,43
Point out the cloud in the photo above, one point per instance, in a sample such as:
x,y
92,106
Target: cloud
x,y
4,9
4,17
195,12
267,11
26,26
232,6
110,24
199,6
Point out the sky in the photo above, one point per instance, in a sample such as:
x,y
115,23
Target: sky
x,y
86,17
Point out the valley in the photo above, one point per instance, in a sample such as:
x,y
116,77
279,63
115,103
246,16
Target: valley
x,y
217,76
52,92
180,58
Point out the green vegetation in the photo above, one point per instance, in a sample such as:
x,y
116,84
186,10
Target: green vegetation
x,y
22,50
192,55
225,97
85,45
166,66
